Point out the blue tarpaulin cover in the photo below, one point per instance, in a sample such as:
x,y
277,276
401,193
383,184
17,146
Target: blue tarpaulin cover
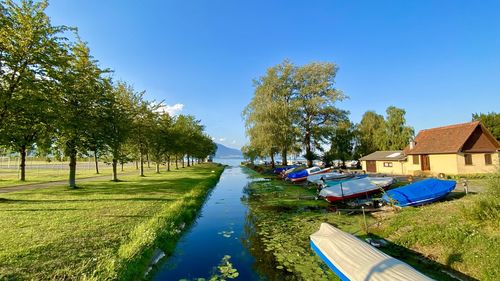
x,y
299,174
420,192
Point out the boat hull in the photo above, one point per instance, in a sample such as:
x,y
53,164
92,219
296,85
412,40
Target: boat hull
x,y
352,259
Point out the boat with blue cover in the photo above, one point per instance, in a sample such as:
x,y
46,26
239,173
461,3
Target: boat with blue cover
x,y
418,193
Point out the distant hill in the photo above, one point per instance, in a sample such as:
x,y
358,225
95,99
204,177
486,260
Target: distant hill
x,y
227,152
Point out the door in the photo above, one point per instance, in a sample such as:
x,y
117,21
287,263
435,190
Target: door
x,y
371,166
424,162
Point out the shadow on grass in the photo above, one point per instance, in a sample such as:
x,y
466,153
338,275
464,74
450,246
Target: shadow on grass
x,y
23,201
423,264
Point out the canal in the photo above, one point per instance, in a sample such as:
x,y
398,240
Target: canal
x,y
217,232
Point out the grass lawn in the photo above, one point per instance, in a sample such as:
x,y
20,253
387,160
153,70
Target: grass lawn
x,y
102,230
45,173
459,236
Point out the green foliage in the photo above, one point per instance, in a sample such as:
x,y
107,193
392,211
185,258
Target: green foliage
x,y
491,121
376,133
293,107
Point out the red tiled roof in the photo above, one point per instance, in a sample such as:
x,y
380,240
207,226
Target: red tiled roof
x,y
447,139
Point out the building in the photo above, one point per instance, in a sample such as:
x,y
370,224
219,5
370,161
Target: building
x,y
387,162
467,148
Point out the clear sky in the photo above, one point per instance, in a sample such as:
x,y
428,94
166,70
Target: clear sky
x,y
439,60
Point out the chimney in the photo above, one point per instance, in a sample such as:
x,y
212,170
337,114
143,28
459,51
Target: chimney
x,y
412,143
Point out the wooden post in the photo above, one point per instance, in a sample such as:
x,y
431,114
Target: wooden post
x,y
364,219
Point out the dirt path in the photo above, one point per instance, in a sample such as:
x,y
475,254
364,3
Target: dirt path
x,y
53,183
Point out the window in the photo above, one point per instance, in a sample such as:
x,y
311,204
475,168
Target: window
x,y
468,159
415,160
487,159
387,164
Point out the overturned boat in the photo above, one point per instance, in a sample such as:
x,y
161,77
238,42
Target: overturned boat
x,y
421,192
349,189
352,259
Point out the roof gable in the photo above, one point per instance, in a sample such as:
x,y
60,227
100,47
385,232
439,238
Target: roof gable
x,y
470,136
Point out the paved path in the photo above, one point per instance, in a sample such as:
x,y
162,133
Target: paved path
x,y
54,183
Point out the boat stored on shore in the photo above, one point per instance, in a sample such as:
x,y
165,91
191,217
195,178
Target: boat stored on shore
x,y
351,189
302,175
419,193
352,259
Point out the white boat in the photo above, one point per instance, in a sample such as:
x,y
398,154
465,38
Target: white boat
x,y
328,176
354,188
352,259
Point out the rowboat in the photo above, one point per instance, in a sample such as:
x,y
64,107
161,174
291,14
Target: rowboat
x,y
418,193
355,188
352,259
302,175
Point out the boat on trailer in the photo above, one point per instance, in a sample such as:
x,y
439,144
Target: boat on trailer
x,y
419,193
352,259
351,189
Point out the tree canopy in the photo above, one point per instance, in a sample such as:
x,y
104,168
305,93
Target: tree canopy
x,y
55,96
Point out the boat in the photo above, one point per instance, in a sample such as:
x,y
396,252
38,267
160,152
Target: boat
x,y
418,193
352,259
302,175
328,176
285,173
282,169
350,189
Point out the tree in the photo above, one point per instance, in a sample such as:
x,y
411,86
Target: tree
x,y
342,142
118,118
490,120
368,133
81,96
31,53
315,103
271,115
397,134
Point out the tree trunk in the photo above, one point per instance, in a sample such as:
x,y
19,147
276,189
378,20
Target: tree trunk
x,y
176,163
182,161
72,167
141,160
284,161
307,143
272,160
114,175
157,167
96,160
122,165
147,159
22,166
168,163
136,165
188,161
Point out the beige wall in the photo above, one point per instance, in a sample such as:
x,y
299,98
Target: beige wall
x,y
443,163
448,164
478,164
396,169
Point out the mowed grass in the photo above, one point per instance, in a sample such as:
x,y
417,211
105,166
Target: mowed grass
x,y
44,172
102,230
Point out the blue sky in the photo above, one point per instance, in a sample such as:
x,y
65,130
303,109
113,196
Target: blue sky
x,y
437,59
